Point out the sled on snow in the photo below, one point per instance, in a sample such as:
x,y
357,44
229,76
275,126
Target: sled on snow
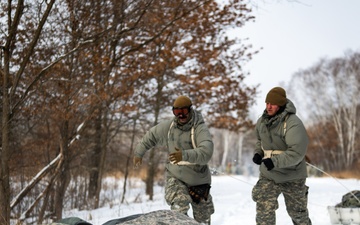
x,y
347,212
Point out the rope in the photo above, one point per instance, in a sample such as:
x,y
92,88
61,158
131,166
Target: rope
x,y
222,173
317,168
309,164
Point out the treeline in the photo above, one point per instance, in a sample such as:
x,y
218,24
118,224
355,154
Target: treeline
x,y
327,96
82,80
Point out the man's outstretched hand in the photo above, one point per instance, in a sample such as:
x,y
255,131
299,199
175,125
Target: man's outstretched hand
x,y
137,162
175,157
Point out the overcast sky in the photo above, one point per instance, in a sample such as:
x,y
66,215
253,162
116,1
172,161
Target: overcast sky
x,y
295,35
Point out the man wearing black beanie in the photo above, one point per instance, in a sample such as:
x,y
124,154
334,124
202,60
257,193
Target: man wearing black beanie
x,y
280,152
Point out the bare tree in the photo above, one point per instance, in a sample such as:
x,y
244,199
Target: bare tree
x,y
10,85
332,88
82,67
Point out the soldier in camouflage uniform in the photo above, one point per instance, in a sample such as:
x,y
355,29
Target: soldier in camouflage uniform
x,y
280,151
190,147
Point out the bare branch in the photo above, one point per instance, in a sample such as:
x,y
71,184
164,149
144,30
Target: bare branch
x,y
35,180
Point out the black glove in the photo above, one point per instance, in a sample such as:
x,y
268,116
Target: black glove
x,y
257,158
268,163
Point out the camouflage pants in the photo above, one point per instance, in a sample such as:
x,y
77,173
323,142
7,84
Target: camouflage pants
x,y
177,196
266,192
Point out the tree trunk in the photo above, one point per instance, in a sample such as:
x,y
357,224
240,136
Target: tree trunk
x,y
128,160
152,162
102,158
240,149
64,176
94,164
5,149
226,135
62,184
97,160
150,175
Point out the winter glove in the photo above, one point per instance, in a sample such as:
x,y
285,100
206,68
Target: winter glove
x,y
137,162
176,156
199,192
268,163
257,158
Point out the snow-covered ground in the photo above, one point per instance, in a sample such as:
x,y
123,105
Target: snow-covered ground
x,y
232,199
